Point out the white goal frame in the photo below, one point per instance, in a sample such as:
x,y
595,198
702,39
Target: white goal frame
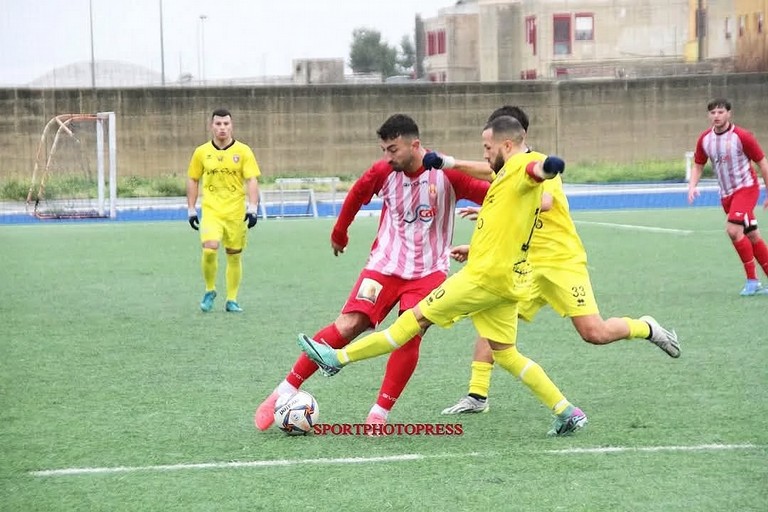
x,y
42,169
297,197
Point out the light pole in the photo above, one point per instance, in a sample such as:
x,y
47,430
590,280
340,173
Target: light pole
x,y
93,56
201,62
162,49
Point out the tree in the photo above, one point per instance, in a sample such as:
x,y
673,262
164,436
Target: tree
x,y
369,54
407,58
367,51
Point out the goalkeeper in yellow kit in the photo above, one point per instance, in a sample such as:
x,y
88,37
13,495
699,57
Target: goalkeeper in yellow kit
x,y
226,171
495,279
560,279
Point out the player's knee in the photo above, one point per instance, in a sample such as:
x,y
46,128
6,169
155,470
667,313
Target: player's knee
x,y
735,230
351,325
594,334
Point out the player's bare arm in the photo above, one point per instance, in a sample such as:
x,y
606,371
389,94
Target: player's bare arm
x,y
763,165
460,253
477,169
193,186
253,194
693,191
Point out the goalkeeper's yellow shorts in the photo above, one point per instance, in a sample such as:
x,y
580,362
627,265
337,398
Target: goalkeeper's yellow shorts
x,y
230,231
565,287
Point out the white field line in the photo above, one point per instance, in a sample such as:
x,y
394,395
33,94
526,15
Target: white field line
x,y
626,449
634,227
247,464
374,460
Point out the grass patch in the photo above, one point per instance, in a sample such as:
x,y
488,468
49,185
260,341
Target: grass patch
x,y
107,362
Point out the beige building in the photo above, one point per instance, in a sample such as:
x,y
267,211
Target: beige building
x,y
451,44
501,40
749,34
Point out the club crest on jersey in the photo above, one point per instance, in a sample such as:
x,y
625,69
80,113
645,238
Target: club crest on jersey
x,y
235,158
369,290
423,212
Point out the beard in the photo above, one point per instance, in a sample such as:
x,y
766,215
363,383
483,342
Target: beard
x,y
402,166
497,163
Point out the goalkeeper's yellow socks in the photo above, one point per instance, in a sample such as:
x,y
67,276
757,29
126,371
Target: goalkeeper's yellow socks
x,y
480,379
234,274
210,266
381,342
533,376
638,328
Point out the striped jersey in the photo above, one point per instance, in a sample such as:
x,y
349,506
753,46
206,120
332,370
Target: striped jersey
x,y
731,153
416,221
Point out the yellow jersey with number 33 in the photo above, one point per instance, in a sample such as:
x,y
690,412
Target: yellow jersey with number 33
x,y
500,243
222,174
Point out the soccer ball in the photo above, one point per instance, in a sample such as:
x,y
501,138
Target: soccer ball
x,y
296,414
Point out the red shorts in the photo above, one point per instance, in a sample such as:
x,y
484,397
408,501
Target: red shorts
x,y
740,206
376,294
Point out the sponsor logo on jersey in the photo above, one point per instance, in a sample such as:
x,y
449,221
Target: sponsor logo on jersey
x,y
423,212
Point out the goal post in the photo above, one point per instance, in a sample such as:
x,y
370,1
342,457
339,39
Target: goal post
x,y
298,197
63,185
111,155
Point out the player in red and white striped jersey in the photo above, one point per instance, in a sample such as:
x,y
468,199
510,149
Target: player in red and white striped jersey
x,y
409,257
732,149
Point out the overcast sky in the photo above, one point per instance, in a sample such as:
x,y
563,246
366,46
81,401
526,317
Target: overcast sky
x,y
243,38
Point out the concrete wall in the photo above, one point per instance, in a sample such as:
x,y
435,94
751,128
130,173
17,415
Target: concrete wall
x,y
330,130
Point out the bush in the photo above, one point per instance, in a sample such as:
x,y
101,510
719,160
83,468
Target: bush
x,y
170,187
128,186
14,190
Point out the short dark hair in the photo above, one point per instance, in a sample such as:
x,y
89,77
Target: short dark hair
x,y
221,112
511,111
719,103
506,126
398,125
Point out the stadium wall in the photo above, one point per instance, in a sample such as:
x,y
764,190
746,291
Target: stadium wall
x,y
330,129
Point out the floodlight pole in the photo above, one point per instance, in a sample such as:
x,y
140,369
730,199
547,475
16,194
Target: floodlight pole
x,y
203,17
93,56
162,50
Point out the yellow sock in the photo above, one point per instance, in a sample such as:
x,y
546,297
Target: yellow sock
x,y
210,266
480,379
533,376
381,342
637,328
234,274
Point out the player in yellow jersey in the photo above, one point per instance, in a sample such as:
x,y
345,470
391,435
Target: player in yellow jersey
x,y
560,279
495,279
225,171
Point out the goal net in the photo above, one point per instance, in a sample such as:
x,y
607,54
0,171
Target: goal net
x,y
300,197
75,169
